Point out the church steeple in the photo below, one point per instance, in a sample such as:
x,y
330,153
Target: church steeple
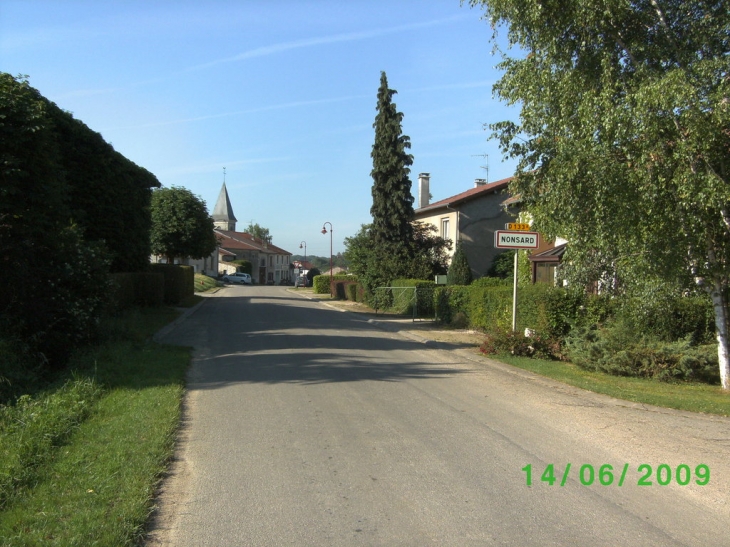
x,y
223,217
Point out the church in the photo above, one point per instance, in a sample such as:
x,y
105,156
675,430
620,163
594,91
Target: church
x,y
271,265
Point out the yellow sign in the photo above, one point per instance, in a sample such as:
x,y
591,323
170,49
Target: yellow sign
x,y
518,226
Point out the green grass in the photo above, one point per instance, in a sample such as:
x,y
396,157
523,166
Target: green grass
x,y
85,472
203,283
693,397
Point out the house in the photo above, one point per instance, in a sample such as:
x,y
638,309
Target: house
x,y
271,264
470,217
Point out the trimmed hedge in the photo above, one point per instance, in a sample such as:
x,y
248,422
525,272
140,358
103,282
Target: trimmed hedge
x,y
321,284
137,289
403,300
179,282
553,311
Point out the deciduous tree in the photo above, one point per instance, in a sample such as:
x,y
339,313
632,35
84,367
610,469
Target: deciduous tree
x,y
623,139
181,225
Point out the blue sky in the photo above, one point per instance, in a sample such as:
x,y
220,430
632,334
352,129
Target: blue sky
x,y
280,93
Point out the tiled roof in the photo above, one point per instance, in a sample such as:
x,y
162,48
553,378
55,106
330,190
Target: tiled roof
x,y
492,187
242,240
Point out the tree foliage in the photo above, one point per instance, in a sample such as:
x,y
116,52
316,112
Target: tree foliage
x,y
392,208
624,135
55,205
109,196
377,264
259,232
181,225
459,270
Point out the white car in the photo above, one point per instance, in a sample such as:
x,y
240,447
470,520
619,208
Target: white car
x,y
238,278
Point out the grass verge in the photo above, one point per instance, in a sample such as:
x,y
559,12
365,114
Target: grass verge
x,y
204,283
85,473
693,397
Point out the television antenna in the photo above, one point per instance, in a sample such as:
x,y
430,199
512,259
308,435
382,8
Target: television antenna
x,y
486,165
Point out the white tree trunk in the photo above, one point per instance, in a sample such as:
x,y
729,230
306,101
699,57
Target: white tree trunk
x,y
720,306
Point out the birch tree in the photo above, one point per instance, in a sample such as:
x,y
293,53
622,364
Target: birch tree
x,y
623,138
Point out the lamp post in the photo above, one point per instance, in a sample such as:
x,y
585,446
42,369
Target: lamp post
x,y
305,256
324,231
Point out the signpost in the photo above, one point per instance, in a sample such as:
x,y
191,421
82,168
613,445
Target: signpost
x,y
516,237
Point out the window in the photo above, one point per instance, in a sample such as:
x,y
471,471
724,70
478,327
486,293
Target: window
x,y
445,228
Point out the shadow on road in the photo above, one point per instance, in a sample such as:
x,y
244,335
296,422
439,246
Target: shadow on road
x,y
264,340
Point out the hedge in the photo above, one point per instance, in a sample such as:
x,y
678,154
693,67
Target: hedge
x,y
402,301
541,307
136,289
179,282
321,283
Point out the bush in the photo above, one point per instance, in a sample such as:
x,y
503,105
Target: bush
x,y
244,266
353,292
459,271
421,295
617,349
668,316
506,341
149,289
492,282
136,289
179,282
321,284
58,308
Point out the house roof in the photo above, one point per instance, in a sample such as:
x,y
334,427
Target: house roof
x,y
470,194
245,241
554,254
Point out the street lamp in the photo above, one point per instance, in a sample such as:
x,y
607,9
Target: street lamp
x,y
305,255
324,231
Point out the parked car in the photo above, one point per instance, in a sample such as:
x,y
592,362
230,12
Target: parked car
x,y
301,281
238,278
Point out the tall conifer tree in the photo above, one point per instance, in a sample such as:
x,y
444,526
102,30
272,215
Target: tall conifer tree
x,y
392,208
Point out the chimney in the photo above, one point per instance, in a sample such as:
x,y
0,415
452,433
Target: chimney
x,y
479,182
424,195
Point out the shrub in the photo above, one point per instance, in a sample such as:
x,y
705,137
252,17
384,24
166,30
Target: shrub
x,y
136,289
617,349
352,291
179,282
244,266
149,289
122,292
421,295
492,282
459,271
321,284
501,341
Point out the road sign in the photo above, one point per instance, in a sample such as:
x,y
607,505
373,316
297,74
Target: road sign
x,y
504,239
517,226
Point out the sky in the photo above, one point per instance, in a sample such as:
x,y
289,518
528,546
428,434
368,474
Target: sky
x,y
281,94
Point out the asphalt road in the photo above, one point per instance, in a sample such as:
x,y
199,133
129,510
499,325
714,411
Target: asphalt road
x,y
307,426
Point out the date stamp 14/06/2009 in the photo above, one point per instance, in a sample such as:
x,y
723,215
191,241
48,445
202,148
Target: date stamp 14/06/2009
x,y
605,475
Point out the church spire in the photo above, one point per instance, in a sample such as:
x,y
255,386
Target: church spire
x,y
223,217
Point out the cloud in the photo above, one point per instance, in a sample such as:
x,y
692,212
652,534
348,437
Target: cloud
x,y
322,40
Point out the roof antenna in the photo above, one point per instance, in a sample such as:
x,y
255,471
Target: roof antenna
x,y
224,175
485,167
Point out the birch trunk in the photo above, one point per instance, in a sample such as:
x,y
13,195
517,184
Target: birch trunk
x,y
720,307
